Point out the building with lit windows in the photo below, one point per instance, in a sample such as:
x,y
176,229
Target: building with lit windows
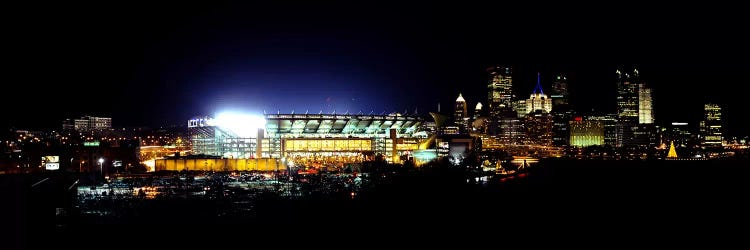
x,y
538,100
627,106
512,130
679,134
609,122
461,115
311,140
477,110
561,117
538,126
584,133
560,90
499,96
710,127
88,123
645,105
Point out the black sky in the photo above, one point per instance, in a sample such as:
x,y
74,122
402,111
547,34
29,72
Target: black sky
x,y
156,64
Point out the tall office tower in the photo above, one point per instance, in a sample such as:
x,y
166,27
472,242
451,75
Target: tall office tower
x,y
711,135
561,116
560,90
520,107
645,105
539,128
538,100
511,128
499,96
627,106
461,115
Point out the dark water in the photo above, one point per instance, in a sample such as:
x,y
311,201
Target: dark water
x,y
669,201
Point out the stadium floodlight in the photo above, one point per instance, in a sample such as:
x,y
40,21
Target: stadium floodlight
x,y
242,125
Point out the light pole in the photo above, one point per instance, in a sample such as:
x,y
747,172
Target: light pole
x,y
101,169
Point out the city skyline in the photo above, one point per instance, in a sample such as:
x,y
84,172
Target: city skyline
x,y
174,62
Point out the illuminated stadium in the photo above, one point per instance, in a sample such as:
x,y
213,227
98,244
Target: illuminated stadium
x,y
309,140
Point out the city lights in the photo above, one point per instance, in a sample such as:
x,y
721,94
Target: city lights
x,y
242,125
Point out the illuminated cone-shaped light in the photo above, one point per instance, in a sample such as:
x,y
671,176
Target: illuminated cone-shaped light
x,y
672,153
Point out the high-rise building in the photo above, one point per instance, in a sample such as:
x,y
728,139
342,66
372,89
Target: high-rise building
x,y
627,106
560,90
538,100
460,115
511,127
609,122
561,117
500,95
520,107
539,128
645,105
584,133
711,135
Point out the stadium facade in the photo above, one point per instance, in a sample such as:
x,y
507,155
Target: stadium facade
x,y
311,139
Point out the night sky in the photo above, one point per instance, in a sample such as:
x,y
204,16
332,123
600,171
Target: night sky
x,y
160,64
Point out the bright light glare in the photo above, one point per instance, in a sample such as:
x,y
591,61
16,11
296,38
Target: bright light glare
x,y
242,125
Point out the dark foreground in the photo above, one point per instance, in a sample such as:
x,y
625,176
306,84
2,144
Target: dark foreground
x,y
578,202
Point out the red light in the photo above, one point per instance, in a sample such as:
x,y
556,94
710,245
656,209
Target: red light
x,y
578,119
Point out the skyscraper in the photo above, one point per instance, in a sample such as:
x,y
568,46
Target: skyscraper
x,y
499,96
560,90
538,100
645,106
461,115
627,106
711,135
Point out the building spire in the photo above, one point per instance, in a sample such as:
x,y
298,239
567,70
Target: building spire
x,y
460,98
538,84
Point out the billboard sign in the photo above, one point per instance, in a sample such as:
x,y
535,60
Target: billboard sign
x,y
51,162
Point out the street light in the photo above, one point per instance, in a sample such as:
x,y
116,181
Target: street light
x,y
101,170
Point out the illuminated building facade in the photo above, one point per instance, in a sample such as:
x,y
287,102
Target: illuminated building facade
x,y
584,133
538,100
710,127
500,95
520,107
210,138
309,139
341,138
645,105
477,110
461,115
560,90
88,123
